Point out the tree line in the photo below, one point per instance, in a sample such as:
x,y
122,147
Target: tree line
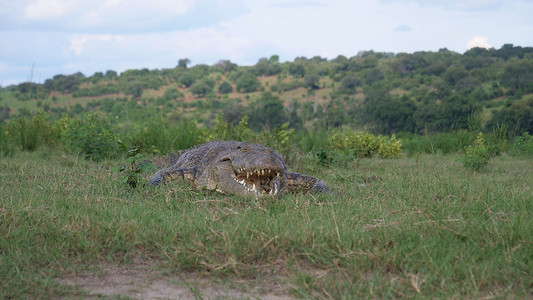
x,y
420,92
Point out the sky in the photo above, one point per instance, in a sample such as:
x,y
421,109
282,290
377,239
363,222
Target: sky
x,y
43,38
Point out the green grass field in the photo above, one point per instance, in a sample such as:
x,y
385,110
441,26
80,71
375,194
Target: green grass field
x,y
425,228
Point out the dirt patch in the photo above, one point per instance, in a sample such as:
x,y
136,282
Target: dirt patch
x,y
142,279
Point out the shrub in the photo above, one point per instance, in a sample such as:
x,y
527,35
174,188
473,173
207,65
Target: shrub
x,y
414,145
172,94
365,144
523,144
477,155
134,169
90,136
496,141
225,88
311,140
226,131
159,137
29,134
248,83
281,139
390,148
6,146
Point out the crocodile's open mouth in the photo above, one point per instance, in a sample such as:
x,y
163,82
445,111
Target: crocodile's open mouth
x,y
259,182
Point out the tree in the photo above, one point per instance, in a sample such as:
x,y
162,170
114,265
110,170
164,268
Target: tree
x,y
248,83
454,73
186,79
200,88
97,76
410,62
385,113
349,84
65,84
225,66
183,62
172,94
233,111
335,115
449,114
225,88
518,116
312,81
372,75
135,89
267,112
265,67
111,74
518,76
297,70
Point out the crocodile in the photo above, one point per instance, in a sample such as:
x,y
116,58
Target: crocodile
x,y
238,168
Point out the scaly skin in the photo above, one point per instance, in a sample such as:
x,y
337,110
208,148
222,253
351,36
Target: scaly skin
x,y
238,168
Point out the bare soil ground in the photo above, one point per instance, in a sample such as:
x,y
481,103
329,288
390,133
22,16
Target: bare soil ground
x,y
142,279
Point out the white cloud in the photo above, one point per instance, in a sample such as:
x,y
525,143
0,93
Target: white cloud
x,y
66,36
77,42
132,11
458,5
48,9
478,41
403,27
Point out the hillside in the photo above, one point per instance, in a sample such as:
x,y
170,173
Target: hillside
x,y
381,92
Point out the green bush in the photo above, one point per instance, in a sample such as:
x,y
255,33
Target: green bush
x,y
172,94
413,145
365,144
29,134
90,136
477,155
496,140
6,146
443,142
523,144
311,140
135,166
281,139
160,137
226,131
225,88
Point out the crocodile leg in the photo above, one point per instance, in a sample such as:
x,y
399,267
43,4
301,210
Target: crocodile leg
x,y
166,175
299,182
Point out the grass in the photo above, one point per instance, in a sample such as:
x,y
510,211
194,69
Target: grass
x,y
426,228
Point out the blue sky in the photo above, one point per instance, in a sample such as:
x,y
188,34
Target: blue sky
x,y
67,36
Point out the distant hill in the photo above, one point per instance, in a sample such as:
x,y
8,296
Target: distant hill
x,y
381,92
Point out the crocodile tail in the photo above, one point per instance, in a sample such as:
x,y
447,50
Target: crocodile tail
x,y
302,182
320,187
156,179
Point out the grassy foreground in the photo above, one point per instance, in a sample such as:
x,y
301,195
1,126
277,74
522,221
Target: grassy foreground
x,y
426,227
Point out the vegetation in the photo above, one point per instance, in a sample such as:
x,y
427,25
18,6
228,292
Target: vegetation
x,y
383,93
425,227
428,155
